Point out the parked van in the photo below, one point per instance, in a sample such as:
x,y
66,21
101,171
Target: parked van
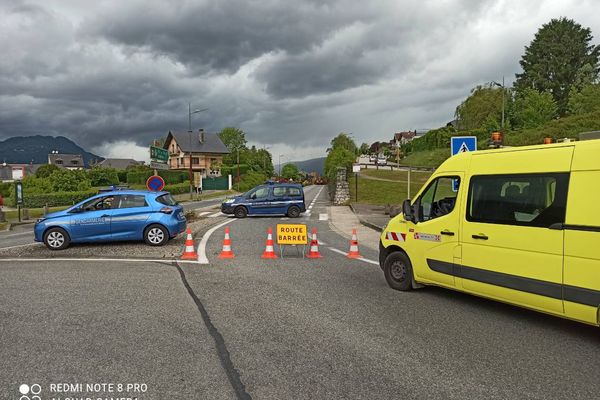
x,y
520,225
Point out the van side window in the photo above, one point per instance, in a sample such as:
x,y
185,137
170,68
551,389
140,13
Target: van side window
x,y
279,191
294,192
524,199
438,199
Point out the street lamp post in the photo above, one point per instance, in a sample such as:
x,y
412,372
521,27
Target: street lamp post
x,y
191,172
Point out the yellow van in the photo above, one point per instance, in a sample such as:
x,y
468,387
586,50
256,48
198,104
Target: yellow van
x,y
520,225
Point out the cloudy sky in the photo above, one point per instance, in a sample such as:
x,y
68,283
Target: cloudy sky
x,y
113,75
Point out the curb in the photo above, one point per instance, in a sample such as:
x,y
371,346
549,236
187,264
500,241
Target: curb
x,y
366,223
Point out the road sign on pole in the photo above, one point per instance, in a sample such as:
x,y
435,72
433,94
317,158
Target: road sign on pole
x,y
462,144
159,154
155,183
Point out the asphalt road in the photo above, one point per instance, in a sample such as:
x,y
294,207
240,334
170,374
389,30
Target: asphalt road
x,y
279,329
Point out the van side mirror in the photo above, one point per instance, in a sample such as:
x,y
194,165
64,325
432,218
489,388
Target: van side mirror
x,y
407,210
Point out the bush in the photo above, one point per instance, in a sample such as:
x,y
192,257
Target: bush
x,y
65,180
170,177
249,180
54,199
5,189
45,170
103,176
122,175
232,169
178,188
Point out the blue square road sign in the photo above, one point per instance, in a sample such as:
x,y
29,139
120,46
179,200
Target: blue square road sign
x,y
462,144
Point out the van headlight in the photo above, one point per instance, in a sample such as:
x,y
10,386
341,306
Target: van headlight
x,y
229,201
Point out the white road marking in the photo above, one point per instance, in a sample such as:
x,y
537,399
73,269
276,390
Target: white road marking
x,y
217,214
323,217
361,259
203,213
20,245
16,234
136,260
202,259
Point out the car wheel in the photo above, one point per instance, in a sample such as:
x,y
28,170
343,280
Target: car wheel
x,y
240,212
293,212
398,271
156,235
56,239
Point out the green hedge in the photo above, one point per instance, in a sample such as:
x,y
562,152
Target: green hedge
x,y
5,189
178,188
54,199
170,177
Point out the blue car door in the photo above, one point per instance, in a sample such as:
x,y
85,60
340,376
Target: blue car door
x,y
279,200
91,221
258,201
130,215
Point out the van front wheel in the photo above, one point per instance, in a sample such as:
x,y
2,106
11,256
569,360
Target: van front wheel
x,y
398,271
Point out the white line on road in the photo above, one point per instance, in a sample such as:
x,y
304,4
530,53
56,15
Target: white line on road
x,y
202,259
217,214
17,246
323,217
202,214
136,260
361,259
17,234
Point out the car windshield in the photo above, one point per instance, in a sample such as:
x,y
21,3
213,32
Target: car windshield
x,y
167,200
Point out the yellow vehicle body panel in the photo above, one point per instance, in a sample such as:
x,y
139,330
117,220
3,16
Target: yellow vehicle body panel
x,y
553,269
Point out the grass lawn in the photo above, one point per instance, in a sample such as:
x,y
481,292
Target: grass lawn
x,y
382,192
429,158
415,176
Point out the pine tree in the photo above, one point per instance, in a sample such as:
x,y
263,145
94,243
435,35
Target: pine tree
x,y
556,59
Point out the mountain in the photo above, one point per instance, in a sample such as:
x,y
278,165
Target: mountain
x,y
312,165
35,149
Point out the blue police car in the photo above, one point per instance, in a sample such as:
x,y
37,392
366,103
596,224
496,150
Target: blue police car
x,y
154,217
270,198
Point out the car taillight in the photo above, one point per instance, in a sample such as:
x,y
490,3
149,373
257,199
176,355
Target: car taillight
x,y
166,210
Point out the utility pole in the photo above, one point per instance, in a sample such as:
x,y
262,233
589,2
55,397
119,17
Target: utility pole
x,y
191,172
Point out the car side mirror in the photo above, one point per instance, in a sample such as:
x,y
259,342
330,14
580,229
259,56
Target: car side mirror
x,y
407,210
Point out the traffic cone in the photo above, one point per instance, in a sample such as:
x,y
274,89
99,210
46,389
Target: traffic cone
x,y
269,250
226,252
353,253
314,246
189,252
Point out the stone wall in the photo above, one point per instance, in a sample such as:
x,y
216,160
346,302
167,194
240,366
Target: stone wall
x,y
342,191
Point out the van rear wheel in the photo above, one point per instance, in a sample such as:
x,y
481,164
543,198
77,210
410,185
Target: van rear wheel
x,y
397,270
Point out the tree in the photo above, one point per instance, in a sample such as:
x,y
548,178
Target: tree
x,y
533,108
483,105
290,171
585,101
364,148
343,140
234,139
45,170
103,176
64,180
559,57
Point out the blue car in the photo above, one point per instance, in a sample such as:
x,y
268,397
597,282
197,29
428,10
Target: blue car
x,y
270,198
154,217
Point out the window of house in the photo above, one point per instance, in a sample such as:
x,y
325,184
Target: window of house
x,y
524,199
58,161
195,160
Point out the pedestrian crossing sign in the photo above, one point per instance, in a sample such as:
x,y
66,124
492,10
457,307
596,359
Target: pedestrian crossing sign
x,y
462,144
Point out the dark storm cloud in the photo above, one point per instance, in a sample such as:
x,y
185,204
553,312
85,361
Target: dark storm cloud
x,y
288,73
225,34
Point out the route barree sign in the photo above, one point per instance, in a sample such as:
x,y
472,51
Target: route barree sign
x,y
292,234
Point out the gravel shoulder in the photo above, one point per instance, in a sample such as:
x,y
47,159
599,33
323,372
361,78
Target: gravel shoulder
x,y
172,250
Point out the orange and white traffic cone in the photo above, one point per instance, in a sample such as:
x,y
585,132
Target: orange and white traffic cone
x,y
189,252
314,246
226,252
353,253
269,250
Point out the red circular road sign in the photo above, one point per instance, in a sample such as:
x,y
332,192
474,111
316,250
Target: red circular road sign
x,y
155,183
